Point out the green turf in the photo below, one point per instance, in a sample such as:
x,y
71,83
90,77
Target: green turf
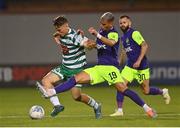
x,y
16,102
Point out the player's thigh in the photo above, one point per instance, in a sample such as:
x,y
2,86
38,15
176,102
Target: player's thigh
x,y
49,79
145,86
82,78
59,71
128,74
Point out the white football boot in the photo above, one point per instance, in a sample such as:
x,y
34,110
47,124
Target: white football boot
x,y
42,90
166,96
117,113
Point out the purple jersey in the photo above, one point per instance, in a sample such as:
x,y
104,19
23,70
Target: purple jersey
x,y
133,50
108,55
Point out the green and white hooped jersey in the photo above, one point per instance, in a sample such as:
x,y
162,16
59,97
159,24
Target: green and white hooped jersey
x,y
73,51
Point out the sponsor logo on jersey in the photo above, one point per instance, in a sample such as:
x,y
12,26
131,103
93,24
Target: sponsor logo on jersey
x,y
101,46
128,49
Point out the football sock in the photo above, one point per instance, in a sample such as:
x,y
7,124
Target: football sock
x,y
51,92
155,91
120,110
66,85
133,96
92,103
55,100
120,99
146,107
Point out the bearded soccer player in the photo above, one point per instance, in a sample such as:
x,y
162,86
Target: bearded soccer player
x,y
73,46
137,66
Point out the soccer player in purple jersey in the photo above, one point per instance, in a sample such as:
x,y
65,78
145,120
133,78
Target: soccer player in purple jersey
x,y
137,64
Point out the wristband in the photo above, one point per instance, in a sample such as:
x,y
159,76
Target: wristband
x,y
99,36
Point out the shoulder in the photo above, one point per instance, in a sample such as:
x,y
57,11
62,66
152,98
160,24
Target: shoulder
x,y
136,36
113,31
72,34
135,33
113,35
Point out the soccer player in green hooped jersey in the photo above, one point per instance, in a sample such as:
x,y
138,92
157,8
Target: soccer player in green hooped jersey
x,y
137,64
72,44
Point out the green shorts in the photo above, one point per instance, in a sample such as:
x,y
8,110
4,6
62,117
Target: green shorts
x,y
101,73
130,74
65,73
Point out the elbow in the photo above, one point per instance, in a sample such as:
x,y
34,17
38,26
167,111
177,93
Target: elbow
x,y
112,43
147,47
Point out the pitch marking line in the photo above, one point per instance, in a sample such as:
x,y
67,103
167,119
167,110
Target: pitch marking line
x,y
76,116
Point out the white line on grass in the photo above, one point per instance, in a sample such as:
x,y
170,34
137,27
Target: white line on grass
x,y
164,115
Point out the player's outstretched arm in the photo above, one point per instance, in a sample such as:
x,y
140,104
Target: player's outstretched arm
x,y
109,42
89,44
56,37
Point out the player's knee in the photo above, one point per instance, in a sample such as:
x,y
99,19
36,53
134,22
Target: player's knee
x,y
77,78
121,87
82,77
77,98
146,92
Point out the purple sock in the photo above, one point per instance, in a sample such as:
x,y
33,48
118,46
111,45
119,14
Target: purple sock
x,y
155,91
134,96
66,85
119,99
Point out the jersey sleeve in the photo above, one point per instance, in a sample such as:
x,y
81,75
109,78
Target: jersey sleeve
x,y
137,37
113,36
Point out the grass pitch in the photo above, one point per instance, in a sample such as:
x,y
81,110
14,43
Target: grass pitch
x,y
16,102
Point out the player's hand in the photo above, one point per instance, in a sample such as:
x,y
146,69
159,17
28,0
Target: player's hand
x,y
93,31
90,44
57,40
80,31
136,64
56,36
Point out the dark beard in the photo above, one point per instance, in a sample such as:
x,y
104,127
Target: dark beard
x,y
125,30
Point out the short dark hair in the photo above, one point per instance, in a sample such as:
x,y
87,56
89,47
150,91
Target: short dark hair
x,y
107,16
125,16
60,20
